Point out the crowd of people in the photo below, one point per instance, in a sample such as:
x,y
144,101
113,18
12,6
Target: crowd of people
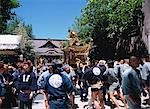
x,y
126,79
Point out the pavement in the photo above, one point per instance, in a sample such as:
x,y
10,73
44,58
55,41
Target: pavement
x,y
38,103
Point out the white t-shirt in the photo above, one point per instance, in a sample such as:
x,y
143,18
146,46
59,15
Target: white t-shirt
x,y
145,70
42,78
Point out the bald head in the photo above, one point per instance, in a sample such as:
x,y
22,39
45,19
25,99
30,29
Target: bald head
x,y
134,61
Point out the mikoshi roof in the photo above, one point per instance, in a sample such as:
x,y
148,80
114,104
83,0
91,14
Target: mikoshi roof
x,y
10,42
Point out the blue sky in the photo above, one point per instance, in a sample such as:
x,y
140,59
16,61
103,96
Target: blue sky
x,y
50,18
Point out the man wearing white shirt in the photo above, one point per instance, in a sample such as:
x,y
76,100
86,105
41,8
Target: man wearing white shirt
x,y
131,84
146,75
42,77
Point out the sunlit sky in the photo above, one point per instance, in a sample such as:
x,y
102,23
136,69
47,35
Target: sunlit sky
x,y
50,18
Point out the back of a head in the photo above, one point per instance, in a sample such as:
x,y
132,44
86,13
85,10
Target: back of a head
x,y
65,66
134,61
132,58
57,66
102,62
57,63
110,63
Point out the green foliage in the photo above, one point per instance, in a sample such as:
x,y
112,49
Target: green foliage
x,y
10,24
6,12
29,31
14,3
111,24
21,29
28,51
13,24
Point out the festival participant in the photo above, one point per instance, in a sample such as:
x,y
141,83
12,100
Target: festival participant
x,y
95,78
112,80
41,83
119,70
70,73
27,85
10,99
58,87
83,82
146,76
131,84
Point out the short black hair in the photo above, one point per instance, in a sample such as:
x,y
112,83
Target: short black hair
x,y
110,63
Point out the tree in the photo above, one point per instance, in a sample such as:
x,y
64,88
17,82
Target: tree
x,y
29,31
12,24
6,12
28,52
115,27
